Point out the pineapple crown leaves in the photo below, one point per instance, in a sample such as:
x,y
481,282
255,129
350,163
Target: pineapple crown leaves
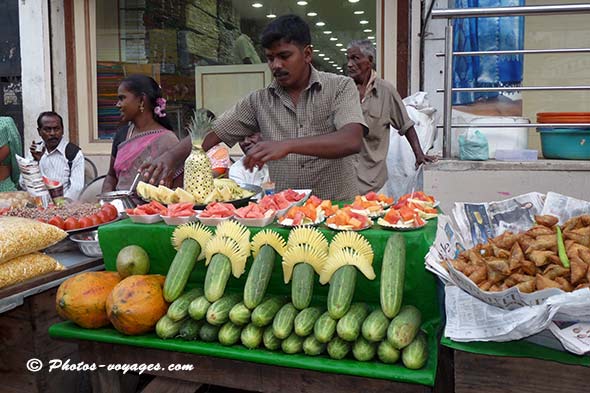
x,y
303,253
343,257
231,249
199,125
195,231
352,241
306,235
268,238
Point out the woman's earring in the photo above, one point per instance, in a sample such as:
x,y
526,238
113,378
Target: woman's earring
x,y
141,106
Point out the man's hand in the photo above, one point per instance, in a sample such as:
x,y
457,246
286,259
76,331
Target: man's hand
x,y
36,154
159,171
264,151
424,158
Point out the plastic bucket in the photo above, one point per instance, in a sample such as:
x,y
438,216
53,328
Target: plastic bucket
x,y
565,143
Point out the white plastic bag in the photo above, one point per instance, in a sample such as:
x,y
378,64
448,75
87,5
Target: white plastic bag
x,y
401,163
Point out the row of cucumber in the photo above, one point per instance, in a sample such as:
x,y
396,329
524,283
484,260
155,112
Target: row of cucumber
x,y
276,323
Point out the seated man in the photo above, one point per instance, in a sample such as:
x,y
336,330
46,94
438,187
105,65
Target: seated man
x,y
58,159
241,175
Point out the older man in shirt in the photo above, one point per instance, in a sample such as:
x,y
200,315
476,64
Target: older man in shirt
x,y
57,160
382,107
310,122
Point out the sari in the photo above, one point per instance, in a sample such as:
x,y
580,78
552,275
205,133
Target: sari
x,y
9,136
138,149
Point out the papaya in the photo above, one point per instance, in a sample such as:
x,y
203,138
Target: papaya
x,y
82,298
137,303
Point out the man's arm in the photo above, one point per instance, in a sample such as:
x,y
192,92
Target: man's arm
x,y
414,142
76,177
344,142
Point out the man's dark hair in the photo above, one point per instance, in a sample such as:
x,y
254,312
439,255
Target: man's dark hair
x,y
52,114
290,28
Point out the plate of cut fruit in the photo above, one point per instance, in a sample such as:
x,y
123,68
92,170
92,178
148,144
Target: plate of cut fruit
x,y
308,214
216,212
254,215
424,205
381,199
404,219
370,208
346,219
284,200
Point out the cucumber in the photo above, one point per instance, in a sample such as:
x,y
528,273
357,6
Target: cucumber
x,y
180,269
363,350
264,313
292,344
387,353
259,276
218,273
375,326
392,275
404,327
167,328
302,285
229,334
324,328
270,340
341,291
218,312
338,348
179,308
240,314
282,324
312,347
349,327
197,309
190,329
251,336
305,320
415,355
208,332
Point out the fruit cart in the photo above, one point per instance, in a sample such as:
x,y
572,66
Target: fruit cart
x,y
259,369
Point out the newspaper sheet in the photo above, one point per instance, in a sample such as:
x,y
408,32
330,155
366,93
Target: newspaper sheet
x,y
475,315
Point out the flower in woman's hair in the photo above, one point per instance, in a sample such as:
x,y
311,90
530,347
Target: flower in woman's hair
x,y
160,107
161,103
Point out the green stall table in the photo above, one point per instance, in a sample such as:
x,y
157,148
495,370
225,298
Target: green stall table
x,y
258,369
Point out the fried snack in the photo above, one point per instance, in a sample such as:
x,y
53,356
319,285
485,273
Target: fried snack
x,y
529,260
546,220
578,269
544,283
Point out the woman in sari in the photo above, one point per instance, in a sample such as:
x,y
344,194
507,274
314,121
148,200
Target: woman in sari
x,y
10,145
147,135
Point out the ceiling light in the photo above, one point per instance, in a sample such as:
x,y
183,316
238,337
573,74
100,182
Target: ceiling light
x,y
312,14
367,31
302,3
359,12
320,24
333,39
371,37
327,32
331,62
343,50
339,44
321,55
353,1
364,22
316,50
326,58
270,16
257,5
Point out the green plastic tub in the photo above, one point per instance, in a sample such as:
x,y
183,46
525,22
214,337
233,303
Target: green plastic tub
x,y
565,143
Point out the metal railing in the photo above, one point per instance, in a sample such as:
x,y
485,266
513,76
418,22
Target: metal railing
x,y
449,54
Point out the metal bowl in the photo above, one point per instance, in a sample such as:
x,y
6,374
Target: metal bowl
x,y
88,243
120,199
